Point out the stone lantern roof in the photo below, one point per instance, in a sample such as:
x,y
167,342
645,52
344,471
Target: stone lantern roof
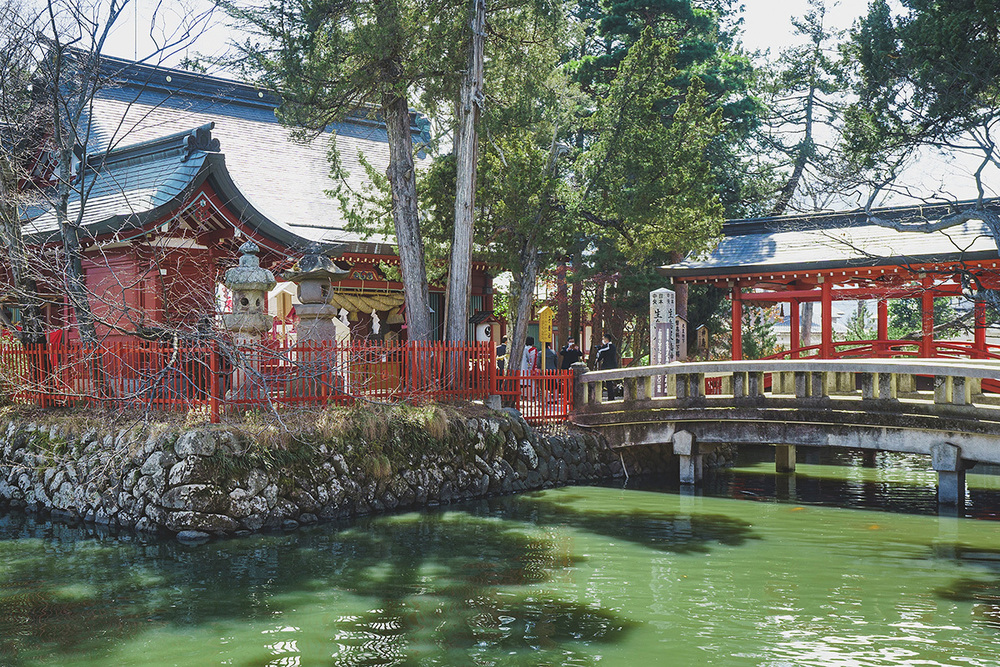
x,y
315,265
249,276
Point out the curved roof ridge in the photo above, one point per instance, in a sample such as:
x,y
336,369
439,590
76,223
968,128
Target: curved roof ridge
x,y
852,218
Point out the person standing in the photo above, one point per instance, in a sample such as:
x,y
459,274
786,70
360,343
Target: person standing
x,y
529,363
607,358
570,355
502,354
551,363
529,360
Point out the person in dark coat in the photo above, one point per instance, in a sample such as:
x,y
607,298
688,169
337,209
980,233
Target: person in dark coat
x,y
502,354
551,363
570,354
607,358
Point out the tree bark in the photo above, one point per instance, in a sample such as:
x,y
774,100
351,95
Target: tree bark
x,y
597,324
524,294
805,326
562,304
25,285
466,154
69,231
406,218
576,303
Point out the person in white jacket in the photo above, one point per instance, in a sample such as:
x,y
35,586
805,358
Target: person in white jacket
x,y
529,360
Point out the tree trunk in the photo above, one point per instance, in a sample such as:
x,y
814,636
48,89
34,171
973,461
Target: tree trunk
x,y
405,216
524,294
69,231
25,285
804,153
805,325
680,289
562,304
597,324
576,303
466,155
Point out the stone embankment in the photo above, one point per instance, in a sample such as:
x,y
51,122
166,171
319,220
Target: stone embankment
x,y
202,480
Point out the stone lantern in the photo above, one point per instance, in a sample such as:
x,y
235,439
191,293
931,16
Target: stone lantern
x,y
249,319
315,274
250,285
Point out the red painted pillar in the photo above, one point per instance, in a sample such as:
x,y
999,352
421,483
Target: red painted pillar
x,y
737,352
794,339
927,317
826,348
980,336
882,316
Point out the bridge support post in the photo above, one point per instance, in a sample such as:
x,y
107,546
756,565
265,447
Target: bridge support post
x,y
579,386
740,384
887,386
801,384
686,449
784,458
869,385
845,383
756,383
942,389
946,459
631,387
906,383
818,385
961,390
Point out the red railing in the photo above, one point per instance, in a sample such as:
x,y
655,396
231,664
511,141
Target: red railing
x,y
180,376
539,397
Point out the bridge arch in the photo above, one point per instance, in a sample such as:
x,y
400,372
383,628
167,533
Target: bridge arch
x,y
867,404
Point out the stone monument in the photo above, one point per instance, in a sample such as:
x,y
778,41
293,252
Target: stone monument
x,y
315,274
250,285
249,320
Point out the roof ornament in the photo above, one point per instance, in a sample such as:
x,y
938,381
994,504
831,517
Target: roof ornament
x,y
200,139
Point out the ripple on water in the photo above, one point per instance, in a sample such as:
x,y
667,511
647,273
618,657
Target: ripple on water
x,y
755,570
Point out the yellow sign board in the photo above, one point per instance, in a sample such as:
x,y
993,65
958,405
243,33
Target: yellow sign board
x,y
545,317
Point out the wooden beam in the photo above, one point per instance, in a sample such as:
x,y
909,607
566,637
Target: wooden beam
x,y
927,317
826,347
882,318
737,347
979,311
794,338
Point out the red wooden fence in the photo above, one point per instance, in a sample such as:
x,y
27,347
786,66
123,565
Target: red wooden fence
x,y
539,397
189,374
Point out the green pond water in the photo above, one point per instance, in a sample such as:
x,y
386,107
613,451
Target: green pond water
x,y
842,565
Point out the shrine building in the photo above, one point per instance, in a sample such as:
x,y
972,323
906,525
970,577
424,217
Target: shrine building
x,y
830,257
182,168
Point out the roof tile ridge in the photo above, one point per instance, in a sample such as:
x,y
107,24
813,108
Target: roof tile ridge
x,y
185,142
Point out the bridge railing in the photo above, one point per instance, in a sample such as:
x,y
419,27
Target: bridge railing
x,y
955,381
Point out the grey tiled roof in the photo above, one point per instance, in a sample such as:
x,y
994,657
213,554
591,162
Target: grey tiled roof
x,y
123,189
278,178
836,241
283,179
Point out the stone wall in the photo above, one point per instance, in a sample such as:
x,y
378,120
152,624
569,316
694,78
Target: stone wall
x,y
191,481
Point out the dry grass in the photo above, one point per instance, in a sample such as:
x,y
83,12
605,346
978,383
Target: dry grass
x,y
376,439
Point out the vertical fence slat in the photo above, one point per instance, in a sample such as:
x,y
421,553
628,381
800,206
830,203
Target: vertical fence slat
x,y
186,374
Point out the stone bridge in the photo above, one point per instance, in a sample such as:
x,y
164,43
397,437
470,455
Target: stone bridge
x,y
931,407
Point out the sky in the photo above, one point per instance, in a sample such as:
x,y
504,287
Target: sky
x,y
766,27
768,23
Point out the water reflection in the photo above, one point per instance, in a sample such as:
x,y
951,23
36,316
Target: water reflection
x,y
574,576
439,583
